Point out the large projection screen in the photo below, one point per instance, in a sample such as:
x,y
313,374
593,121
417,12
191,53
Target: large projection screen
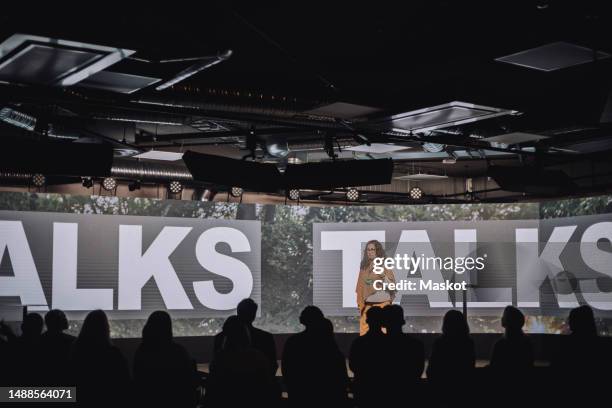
x,y
130,256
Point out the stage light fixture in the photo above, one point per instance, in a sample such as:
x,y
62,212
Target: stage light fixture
x,y
175,187
109,183
352,194
87,182
416,193
236,191
39,180
294,194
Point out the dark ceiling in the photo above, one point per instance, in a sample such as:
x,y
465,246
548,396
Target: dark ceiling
x,y
288,59
381,54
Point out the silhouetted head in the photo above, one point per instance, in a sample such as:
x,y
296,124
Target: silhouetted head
x,y
32,325
247,310
582,321
95,330
393,318
56,321
374,319
455,325
311,317
235,334
513,320
158,328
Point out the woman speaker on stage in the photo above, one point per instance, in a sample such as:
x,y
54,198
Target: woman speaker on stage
x,y
367,295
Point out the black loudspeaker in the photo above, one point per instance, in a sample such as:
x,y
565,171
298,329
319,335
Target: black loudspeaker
x,y
233,172
329,175
532,180
56,158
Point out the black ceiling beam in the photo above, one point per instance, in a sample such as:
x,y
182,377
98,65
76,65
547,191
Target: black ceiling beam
x,y
147,138
29,94
41,95
79,103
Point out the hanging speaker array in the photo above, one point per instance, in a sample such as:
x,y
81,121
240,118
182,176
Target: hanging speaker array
x,y
57,158
266,176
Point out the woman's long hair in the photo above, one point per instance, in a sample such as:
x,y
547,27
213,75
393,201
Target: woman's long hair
x,y
236,335
582,321
380,253
158,329
455,325
513,321
95,331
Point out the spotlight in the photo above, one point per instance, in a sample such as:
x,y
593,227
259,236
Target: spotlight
x,y
276,146
236,191
416,193
87,182
39,180
109,183
175,187
134,185
294,194
352,194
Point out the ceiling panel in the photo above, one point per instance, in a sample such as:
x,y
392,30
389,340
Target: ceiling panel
x,y
554,56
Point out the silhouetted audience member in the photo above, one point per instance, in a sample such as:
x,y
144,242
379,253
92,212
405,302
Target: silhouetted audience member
x,y
164,374
405,354
99,370
55,347
513,353
314,368
581,359
510,372
5,361
24,351
240,375
260,339
367,360
451,365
